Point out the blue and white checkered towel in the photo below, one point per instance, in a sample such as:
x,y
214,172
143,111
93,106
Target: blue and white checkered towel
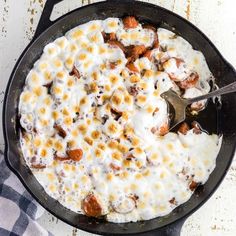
x,y
18,210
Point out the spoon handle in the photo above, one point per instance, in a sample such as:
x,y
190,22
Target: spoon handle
x,y
230,88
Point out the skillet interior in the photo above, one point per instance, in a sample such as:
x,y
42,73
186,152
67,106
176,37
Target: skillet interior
x,y
223,72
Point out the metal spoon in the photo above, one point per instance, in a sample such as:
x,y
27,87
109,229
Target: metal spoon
x,y
177,105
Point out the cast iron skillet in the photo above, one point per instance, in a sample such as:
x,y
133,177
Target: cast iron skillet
x,y
212,119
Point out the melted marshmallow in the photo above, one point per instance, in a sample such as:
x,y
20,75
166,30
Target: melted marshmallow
x,y
111,125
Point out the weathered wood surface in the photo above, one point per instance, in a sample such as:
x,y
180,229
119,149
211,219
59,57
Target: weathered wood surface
x,y
216,18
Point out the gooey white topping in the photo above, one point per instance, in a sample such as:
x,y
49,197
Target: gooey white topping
x,y
115,117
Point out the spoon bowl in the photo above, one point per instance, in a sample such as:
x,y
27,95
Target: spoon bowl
x,y
177,105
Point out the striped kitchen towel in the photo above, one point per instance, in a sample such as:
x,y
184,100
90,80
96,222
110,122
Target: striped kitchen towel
x,y
18,210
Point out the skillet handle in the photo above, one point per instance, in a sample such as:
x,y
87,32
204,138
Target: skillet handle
x,y
45,21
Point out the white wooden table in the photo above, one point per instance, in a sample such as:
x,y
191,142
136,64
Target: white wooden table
x,y
216,18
